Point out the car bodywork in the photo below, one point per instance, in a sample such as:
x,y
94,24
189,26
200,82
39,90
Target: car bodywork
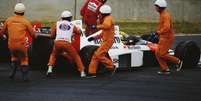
x,y
122,55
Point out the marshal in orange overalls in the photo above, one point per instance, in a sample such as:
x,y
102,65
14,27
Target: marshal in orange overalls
x,y
61,46
100,54
166,38
17,26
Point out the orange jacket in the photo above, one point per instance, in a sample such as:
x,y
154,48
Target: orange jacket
x,y
165,28
108,28
16,26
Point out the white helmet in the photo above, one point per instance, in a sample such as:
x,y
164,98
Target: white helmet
x,y
161,3
105,9
19,8
66,14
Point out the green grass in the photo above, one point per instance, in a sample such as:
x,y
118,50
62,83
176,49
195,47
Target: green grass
x,y
136,28
188,28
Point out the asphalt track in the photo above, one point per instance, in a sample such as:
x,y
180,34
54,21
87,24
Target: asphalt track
x,y
137,85
142,84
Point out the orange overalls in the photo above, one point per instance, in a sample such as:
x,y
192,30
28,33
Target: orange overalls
x,y
17,26
166,38
100,54
61,46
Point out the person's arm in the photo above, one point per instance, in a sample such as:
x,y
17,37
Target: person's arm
x,y
30,30
165,25
107,23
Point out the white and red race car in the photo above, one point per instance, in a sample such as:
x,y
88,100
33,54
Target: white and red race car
x,y
133,53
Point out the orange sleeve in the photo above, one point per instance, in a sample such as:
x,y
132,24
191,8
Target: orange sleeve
x,y
107,23
30,29
53,31
164,25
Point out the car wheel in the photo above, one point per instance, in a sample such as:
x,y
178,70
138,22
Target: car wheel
x,y
189,52
86,54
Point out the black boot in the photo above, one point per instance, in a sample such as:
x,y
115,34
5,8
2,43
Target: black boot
x,y
13,66
25,73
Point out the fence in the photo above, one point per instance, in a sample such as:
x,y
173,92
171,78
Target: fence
x,y
135,10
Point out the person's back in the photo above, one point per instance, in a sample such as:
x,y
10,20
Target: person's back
x,y
17,26
165,24
64,31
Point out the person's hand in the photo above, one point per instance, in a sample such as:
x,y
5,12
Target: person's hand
x,y
91,39
36,35
93,27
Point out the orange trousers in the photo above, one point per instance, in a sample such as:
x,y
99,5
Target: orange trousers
x,y
162,53
19,52
100,57
64,46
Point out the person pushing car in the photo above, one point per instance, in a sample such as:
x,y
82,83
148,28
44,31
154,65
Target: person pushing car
x,y
63,32
107,35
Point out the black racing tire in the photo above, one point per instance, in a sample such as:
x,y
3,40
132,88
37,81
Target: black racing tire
x,y
189,52
86,54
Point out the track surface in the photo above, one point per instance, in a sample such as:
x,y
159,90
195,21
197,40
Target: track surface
x,y
137,85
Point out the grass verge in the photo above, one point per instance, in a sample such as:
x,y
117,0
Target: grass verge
x,y
137,28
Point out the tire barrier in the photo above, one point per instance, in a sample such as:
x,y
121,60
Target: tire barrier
x,y
86,54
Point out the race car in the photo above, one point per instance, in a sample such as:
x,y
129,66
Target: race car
x,y
136,51
132,52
